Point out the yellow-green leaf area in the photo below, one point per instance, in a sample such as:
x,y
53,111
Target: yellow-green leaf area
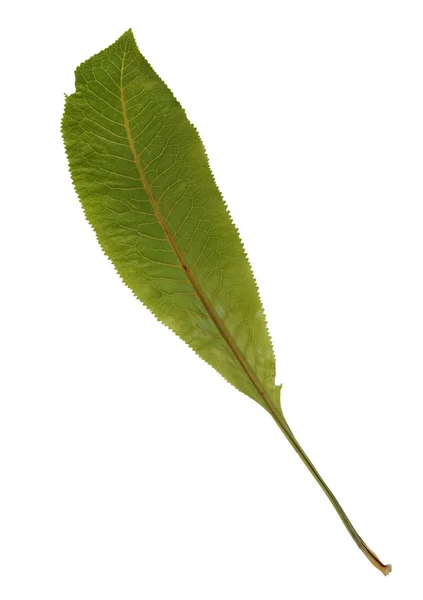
x,y
143,178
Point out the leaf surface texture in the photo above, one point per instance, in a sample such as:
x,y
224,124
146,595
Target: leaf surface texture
x,y
143,178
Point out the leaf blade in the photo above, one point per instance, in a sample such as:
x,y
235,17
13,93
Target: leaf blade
x,y
143,178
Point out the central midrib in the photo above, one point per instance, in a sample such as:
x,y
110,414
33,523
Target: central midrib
x,y
197,288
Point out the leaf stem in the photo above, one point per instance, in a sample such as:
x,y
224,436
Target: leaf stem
x,y
372,557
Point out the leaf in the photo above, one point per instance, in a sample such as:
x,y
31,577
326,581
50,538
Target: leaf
x,y
141,172
142,175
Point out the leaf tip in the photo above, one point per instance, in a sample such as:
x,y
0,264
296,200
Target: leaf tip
x,y
129,34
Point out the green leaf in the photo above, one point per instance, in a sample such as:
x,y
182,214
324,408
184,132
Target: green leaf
x,y
142,175
143,178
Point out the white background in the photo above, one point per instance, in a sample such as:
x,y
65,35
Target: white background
x,y
129,468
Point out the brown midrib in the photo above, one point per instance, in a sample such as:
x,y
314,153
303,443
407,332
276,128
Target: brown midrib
x,y
197,288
